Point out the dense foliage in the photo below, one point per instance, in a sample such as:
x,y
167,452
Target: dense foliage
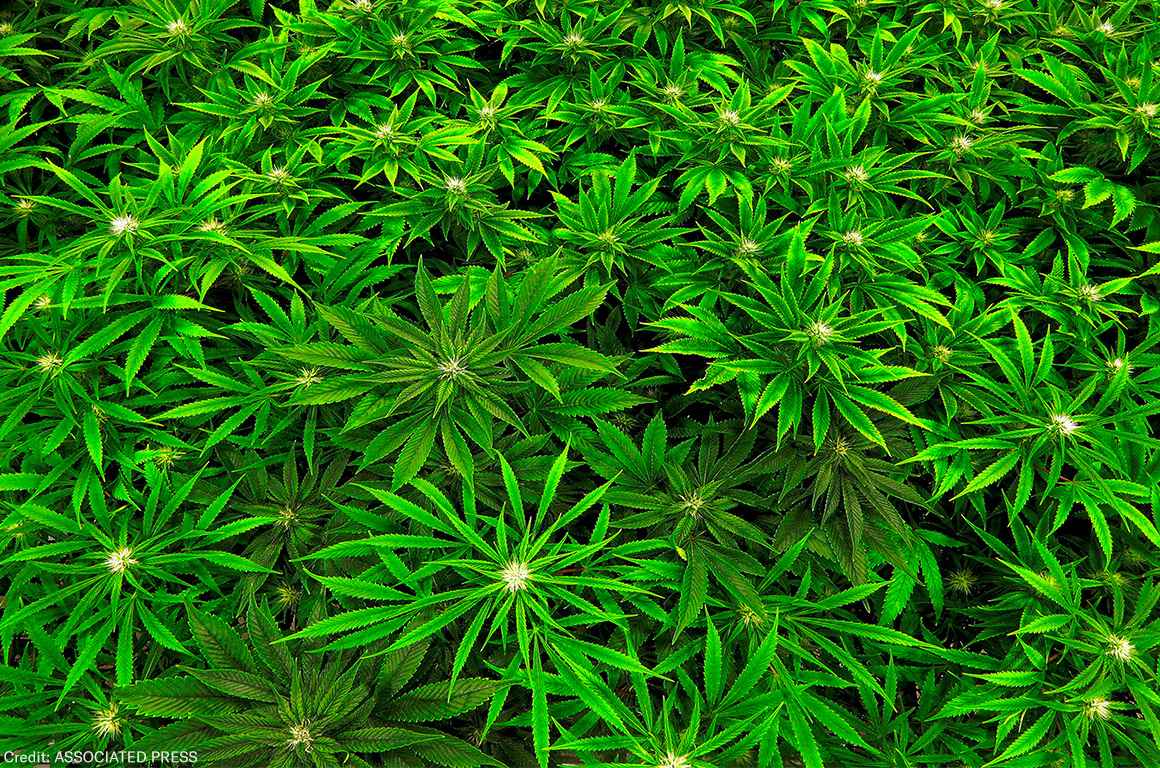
x,y
538,383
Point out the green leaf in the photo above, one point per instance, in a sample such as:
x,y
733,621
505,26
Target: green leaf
x,y
16,308
992,474
93,444
712,671
803,737
1027,740
540,735
441,701
219,643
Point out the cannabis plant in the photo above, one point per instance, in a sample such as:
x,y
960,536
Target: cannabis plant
x,y
465,383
